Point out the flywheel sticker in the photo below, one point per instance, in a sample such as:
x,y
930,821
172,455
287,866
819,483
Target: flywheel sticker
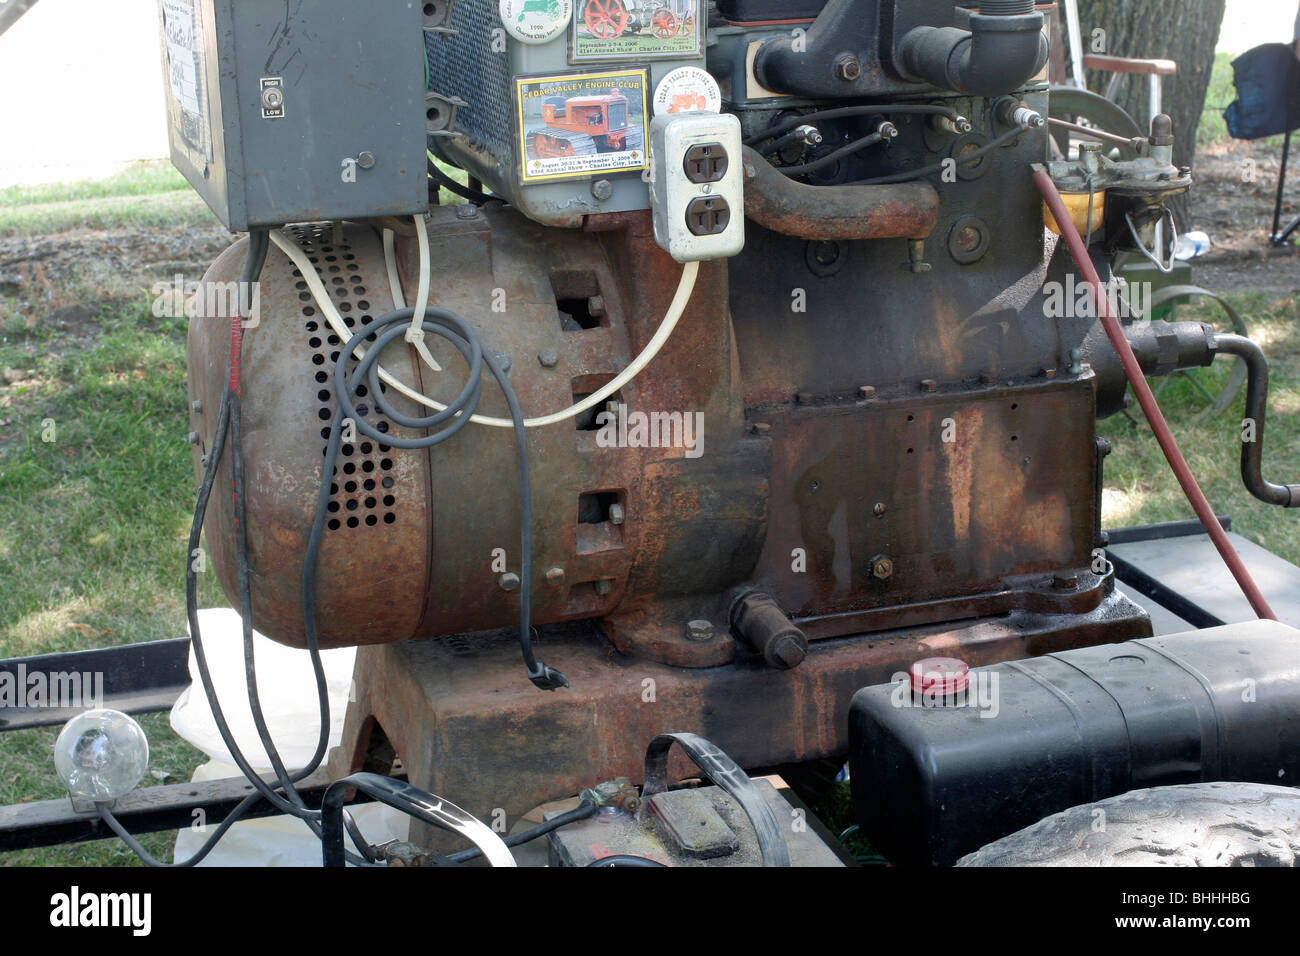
x,y
636,30
535,21
687,89
579,125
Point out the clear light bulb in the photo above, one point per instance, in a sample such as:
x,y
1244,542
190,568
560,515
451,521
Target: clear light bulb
x,y
101,755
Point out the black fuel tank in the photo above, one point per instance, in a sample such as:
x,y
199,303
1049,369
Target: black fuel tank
x,y
935,778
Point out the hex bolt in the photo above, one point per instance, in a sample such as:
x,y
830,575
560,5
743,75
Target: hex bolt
x,y
882,568
508,581
596,305
879,509
699,630
548,358
193,438
847,67
366,159
196,406
602,189
616,513
929,385
867,392
1076,361
604,586
555,577
467,211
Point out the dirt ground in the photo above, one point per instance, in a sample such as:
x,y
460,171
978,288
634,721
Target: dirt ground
x,y
1237,214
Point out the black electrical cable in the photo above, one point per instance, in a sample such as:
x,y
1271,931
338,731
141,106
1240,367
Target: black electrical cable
x,y
970,157
255,258
456,330
583,811
843,112
135,847
796,135
477,197
830,158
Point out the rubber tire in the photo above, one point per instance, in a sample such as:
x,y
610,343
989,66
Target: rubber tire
x,y
1196,824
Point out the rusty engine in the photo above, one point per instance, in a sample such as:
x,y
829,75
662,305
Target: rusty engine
x,y
854,432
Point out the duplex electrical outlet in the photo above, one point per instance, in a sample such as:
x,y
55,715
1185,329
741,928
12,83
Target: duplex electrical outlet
x,y
696,189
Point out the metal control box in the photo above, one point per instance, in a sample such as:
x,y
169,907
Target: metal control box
x,y
288,112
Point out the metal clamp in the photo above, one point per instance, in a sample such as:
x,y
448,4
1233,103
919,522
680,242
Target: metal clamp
x,y
726,774
1165,213
411,800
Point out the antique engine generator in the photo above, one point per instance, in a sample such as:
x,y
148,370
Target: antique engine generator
x,y
726,378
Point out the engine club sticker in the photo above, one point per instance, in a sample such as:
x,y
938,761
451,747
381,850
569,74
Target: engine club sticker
x,y
688,89
535,21
635,30
577,125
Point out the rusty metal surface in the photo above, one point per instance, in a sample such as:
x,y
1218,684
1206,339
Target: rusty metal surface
x,y
778,202
461,736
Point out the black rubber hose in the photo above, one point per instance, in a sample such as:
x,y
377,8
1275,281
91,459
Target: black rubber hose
x,y
1252,445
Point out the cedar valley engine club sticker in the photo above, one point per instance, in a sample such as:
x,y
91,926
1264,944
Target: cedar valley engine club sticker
x,y
635,29
535,21
577,125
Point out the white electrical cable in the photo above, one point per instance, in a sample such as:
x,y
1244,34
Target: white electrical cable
x,y
390,260
685,286
415,334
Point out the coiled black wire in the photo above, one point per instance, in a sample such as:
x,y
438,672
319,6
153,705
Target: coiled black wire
x,y
457,414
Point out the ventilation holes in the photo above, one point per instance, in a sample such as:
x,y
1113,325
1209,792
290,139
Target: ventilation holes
x,y
353,504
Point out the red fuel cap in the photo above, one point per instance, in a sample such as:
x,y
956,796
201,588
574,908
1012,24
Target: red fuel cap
x,y
939,676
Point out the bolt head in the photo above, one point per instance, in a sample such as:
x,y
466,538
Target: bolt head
x,y
847,67
548,358
602,189
879,509
867,391
366,159
804,398
467,211
555,577
882,569
604,586
616,513
699,630
193,438
929,385
196,406
509,581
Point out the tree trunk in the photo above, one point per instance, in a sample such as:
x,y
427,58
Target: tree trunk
x,y
1184,31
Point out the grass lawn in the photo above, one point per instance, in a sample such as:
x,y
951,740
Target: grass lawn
x,y
96,488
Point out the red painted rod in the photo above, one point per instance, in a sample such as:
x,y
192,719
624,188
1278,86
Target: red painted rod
x,y
1148,401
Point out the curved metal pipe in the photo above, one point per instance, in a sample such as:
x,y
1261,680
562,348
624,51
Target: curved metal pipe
x,y
778,203
1252,451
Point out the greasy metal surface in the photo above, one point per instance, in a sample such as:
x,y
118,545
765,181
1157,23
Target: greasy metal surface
x,y
459,735
778,202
